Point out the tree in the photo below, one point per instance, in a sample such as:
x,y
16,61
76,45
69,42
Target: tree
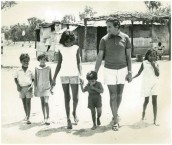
x,y
88,12
68,19
7,4
152,5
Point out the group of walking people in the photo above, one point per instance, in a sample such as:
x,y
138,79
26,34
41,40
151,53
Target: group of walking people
x,y
115,49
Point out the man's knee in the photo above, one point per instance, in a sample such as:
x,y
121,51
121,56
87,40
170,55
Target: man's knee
x,y
113,97
75,99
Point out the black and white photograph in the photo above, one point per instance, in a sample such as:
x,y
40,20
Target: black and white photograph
x,y
86,72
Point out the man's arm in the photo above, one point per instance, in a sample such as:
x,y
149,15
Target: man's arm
x,y
100,55
128,57
99,60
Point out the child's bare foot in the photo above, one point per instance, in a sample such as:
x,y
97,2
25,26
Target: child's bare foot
x,y
47,122
143,115
69,124
75,118
25,119
156,124
94,127
98,121
28,122
43,122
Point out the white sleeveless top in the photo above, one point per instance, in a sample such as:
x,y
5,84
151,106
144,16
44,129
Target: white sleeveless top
x,y
69,61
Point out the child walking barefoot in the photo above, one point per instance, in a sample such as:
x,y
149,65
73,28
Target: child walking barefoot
x,y
94,88
70,70
24,80
150,69
43,80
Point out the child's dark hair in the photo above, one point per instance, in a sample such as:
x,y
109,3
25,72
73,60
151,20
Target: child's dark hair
x,y
159,43
24,56
150,51
42,56
67,35
92,75
115,21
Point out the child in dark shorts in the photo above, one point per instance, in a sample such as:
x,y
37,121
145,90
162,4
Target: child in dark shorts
x,y
94,88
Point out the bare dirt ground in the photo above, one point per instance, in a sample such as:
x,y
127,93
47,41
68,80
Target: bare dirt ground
x,y
132,129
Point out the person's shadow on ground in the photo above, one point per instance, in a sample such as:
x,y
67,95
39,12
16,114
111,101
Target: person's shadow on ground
x,y
11,124
22,125
81,132
139,125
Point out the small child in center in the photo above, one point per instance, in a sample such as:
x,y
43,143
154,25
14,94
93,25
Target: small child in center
x,y
94,88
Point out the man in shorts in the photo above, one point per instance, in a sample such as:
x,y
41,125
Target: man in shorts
x,y
115,48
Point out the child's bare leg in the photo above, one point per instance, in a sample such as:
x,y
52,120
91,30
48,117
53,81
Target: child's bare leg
x,y
74,88
93,114
154,103
144,107
24,105
99,112
67,99
43,106
28,106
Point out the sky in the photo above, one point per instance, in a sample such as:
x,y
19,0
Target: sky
x,y
55,10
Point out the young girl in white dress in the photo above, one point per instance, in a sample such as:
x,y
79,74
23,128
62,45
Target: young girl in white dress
x,y
43,80
150,69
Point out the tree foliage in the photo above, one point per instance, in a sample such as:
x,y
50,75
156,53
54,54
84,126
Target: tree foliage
x,y
7,4
68,19
14,33
152,5
88,12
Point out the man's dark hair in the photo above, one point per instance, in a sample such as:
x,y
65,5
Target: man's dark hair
x,y
115,21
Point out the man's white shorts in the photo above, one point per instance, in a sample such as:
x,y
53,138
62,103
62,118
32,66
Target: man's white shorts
x,y
115,76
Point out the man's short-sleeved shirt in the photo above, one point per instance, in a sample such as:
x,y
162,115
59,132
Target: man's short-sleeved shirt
x,y
114,47
24,78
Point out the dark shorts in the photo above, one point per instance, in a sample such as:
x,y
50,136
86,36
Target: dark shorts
x,y
94,101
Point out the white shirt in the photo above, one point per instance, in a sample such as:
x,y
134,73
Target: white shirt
x,y
69,61
24,78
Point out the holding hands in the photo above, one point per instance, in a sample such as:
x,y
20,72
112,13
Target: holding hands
x,y
129,77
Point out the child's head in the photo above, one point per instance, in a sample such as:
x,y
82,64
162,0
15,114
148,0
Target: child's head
x,y
24,59
67,38
151,55
159,43
42,58
91,77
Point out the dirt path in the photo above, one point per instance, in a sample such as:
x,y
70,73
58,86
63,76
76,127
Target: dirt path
x,y
132,129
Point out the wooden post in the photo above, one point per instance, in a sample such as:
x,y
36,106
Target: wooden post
x,y
169,29
85,41
132,45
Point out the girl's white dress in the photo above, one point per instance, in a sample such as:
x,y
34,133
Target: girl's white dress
x,y
149,80
69,65
42,78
